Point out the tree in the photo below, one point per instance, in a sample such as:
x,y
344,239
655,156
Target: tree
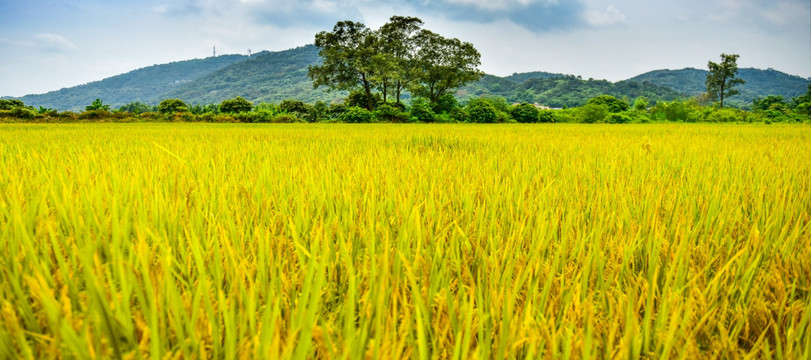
x,y
767,102
171,106
525,113
443,65
396,57
136,107
97,105
481,111
721,78
236,105
397,40
612,104
10,104
347,53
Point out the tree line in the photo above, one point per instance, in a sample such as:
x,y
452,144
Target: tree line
x,y
377,67
446,109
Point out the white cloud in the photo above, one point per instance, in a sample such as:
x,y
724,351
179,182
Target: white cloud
x,y
499,4
606,17
54,43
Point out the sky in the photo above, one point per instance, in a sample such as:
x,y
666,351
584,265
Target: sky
x,y
47,45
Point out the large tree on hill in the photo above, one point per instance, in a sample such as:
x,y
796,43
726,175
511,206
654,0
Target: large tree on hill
x,y
443,65
721,78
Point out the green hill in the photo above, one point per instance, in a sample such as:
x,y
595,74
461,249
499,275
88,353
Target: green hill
x,y
559,91
759,83
147,85
270,77
276,76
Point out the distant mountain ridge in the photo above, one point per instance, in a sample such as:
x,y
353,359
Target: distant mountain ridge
x,y
147,85
276,76
759,83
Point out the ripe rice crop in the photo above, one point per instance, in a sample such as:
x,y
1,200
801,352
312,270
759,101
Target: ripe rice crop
x,y
405,241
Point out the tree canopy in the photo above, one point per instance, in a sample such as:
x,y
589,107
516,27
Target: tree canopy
x,y
400,55
721,78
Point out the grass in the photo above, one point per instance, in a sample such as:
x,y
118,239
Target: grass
x,y
405,241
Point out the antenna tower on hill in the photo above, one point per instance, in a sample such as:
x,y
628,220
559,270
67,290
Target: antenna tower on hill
x,y
215,50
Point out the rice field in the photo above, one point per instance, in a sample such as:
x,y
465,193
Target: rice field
x,y
224,241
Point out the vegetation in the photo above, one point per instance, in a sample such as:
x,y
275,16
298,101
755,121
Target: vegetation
x,y
721,79
272,77
340,241
147,85
759,83
600,109
236,105
399,54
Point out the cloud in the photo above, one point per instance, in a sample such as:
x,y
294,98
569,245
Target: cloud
x,y
534,15
53,43
606,17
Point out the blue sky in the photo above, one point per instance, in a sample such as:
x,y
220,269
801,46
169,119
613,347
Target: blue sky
x,y
47,45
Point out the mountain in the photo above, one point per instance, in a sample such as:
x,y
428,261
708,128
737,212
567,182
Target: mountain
x,y
556,90
270,77
276,76
147,85
759,83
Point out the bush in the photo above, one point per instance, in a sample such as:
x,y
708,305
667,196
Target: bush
x,y
592,113
97,105
336,110
546,116
445,104
359,99
525,113
386,112
459,115
420,111
726,115
615,118
612,104
136,107
641,103
481,111
171,106
357,114
236,105
8,104
285,119
94,115
22,113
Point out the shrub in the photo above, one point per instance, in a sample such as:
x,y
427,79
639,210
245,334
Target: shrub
x,y
171,106
592,113
359,99
525,113
284,119
420,111
386,112
8,104
615,118
546,116
236,105
336,110
725,115
357,114
445,104
97,105
612,104
481,111
459,115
